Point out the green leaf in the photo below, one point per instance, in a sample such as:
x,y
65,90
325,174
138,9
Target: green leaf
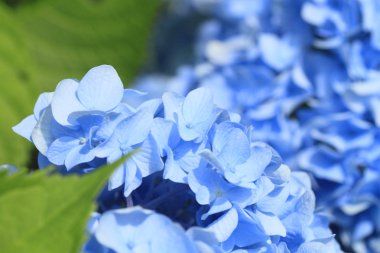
x,y
40,213
45,41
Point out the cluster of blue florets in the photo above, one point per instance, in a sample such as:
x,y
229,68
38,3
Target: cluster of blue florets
x,y
272,80
197,180
306,75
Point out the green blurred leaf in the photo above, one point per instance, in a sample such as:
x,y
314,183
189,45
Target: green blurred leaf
x,y
40,213
45,41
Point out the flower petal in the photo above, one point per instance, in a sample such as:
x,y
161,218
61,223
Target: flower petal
x,y
65,102
100,89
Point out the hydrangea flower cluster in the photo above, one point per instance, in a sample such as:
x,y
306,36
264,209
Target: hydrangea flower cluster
x,y
305,74
197,181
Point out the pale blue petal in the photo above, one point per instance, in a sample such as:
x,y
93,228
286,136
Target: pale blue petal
x,y
255,166
134,129
172,237
78,155
105,150
117,178
217,206
147,158
271,224
152,105
188,132
172,104
187,155
198,106
43,101
25,127
225,225
313,247
65,102
165,133
202,193
42,135
114,155
172,170
133,177
274,201
108,230
314,15
210,157
133,97
230,144
283,55
100,89
60,148
323,162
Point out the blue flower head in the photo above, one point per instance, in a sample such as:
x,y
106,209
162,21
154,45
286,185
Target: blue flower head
x,y
135,230
92,120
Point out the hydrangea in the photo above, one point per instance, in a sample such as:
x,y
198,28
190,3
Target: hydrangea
x,y
135,230
82,125
192,161
305,75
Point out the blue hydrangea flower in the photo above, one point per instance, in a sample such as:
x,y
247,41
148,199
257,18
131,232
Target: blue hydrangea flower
x,y
100,90
193,115
135,230
124,140
181,156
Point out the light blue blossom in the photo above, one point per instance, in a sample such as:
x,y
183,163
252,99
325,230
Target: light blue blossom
x,y
193,115
124,140
100,90
181,156
233,155
135,230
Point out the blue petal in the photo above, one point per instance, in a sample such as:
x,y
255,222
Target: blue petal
x,y
314,15
43,101
255,166
117,178
198,106
133,97
100,89
172,170
78,155
165,133
218,206
147,158
225,225
134,129
197,115
25,127
133,177
187,155
274,201
65,102
200,180
231,145
282,57
271,224
172,103
210,157
59,149
42,135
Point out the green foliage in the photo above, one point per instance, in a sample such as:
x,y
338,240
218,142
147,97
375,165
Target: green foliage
x,y
45,41
40,213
